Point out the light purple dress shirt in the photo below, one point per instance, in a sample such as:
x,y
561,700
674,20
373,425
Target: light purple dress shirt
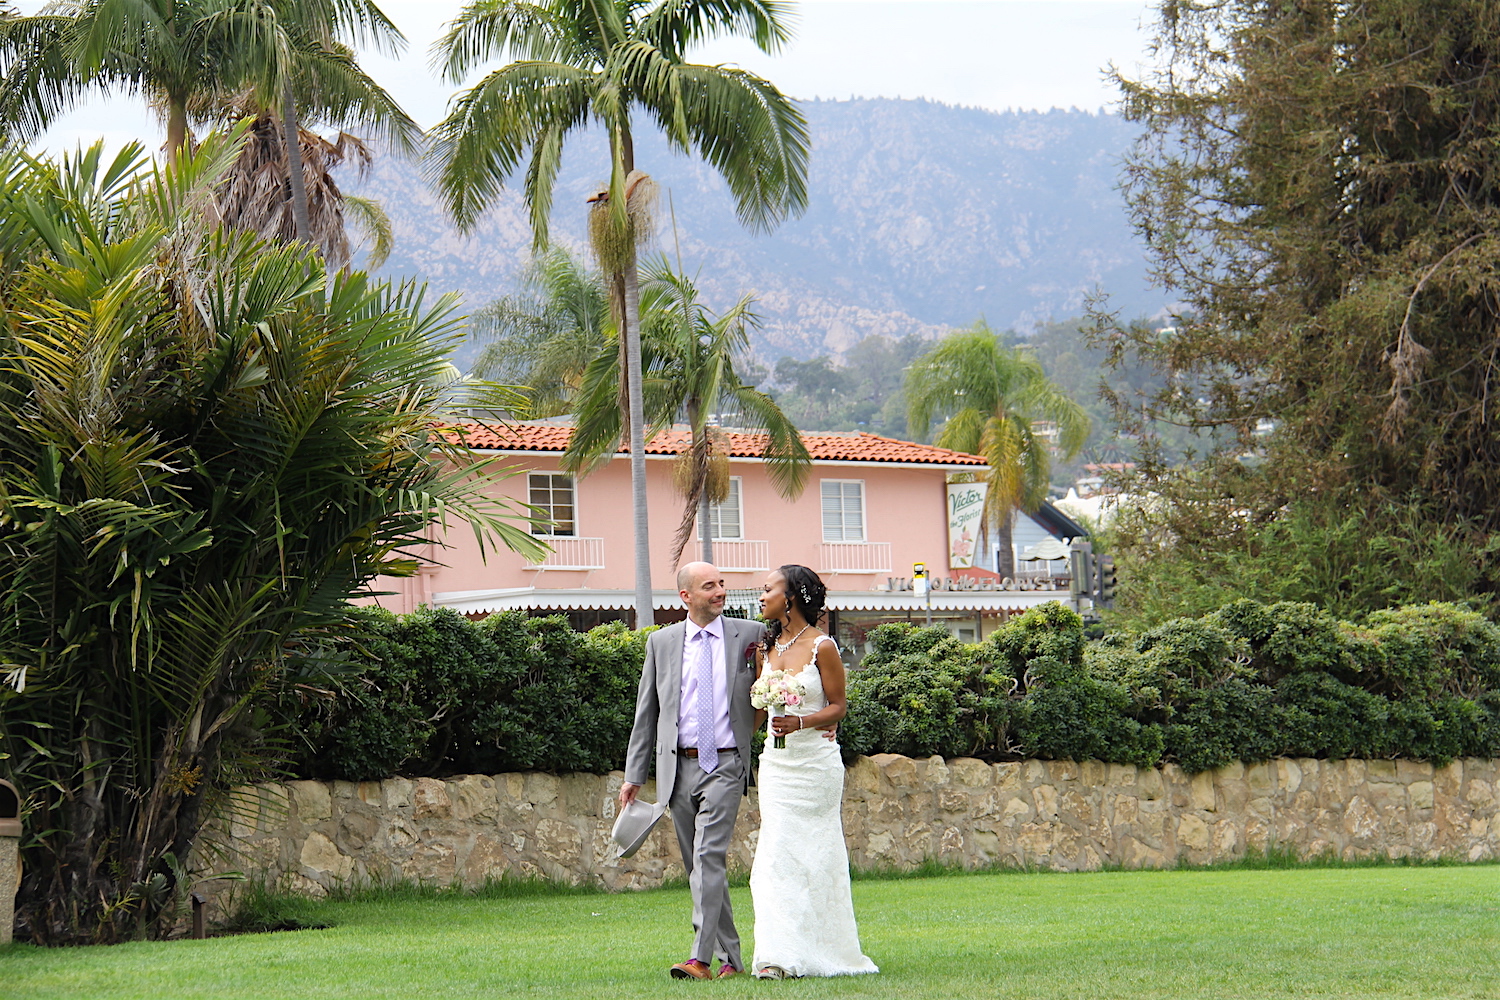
x,y
687,711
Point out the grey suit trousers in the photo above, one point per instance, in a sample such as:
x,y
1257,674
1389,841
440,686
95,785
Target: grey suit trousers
x,y
704,807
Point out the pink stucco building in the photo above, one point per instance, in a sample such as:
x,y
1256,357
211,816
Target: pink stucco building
x,y
872,507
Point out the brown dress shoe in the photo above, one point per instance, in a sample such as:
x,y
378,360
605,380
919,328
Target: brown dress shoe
x,y
691,969
726,970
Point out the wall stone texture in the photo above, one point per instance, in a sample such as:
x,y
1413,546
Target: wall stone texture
x,y
10,881
310,836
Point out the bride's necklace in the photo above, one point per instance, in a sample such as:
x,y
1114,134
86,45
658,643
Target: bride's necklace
x,y
782,647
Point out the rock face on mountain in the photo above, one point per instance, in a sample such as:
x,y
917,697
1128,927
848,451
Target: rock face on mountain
x,y
922,216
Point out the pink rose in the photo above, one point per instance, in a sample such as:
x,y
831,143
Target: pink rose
x,y
792,699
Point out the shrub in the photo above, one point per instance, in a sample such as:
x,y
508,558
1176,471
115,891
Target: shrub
x,y
923,692
1179,657
1322,716
387,717
1285,637
565,703
1424,650
1235,720
1044,644
1083,719
438,694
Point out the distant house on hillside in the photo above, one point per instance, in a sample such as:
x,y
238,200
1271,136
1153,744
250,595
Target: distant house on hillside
x,y
873,506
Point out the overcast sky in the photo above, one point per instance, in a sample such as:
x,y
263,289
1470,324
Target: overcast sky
x,y
997,54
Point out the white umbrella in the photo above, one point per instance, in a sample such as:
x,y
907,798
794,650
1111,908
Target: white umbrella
x,y
1047,549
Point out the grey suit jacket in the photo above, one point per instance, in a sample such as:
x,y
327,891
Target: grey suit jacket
x,y
653,739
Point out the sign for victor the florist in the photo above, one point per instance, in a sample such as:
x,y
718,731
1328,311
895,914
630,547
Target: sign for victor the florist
x,y
965,515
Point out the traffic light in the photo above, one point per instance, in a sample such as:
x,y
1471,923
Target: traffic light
x,y
1081,569
1106,588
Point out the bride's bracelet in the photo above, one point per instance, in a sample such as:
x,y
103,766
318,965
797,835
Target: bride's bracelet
x,y
799,723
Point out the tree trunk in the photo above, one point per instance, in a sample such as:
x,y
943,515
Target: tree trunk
x,y
1005,557
644,613
177,128
291,138
695,506
706,525
617,308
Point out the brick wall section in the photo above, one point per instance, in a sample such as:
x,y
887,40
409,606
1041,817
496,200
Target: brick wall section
x,y
897,812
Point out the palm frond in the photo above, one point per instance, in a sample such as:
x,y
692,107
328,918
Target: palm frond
x,y
964,431
38,79
479,145
751,133
333,89
674,26
372,220
786,455
490,29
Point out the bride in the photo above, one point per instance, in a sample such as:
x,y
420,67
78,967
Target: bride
x,y
799,883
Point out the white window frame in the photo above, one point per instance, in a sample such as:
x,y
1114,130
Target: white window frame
x,y
547,530
737,495
864,528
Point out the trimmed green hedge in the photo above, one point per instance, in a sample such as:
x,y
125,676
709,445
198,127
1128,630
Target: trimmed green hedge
x,y
439,694
1248,682
443,695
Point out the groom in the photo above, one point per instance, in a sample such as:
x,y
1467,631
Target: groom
x,y
693,710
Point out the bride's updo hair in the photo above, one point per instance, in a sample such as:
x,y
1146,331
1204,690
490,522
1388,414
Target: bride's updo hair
x,y
805,592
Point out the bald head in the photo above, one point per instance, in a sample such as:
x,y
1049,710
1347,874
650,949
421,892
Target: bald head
x,y
701,587
691,572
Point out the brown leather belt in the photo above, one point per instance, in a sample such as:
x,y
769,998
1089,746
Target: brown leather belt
x,y
693,751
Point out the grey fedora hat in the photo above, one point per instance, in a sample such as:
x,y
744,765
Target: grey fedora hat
x,y
634,824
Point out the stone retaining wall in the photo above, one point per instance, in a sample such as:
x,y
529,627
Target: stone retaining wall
x,y
897,811
10,881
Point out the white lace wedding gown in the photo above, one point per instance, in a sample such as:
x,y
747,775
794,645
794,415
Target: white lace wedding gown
x,y
799,882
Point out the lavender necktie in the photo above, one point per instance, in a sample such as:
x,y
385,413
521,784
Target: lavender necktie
x,y
708,745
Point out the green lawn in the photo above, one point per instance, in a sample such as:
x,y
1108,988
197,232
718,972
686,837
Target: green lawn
x,y
1358,932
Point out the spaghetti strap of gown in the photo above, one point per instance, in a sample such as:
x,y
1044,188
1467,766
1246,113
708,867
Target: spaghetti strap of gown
x,y
799,881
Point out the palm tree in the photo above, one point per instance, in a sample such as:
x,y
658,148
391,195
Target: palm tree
x,y
603,61
202,61
207,446
989,396
254,196
688,357
544,337
309,70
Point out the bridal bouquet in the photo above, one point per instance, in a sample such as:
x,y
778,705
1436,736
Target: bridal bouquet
x,y
777,689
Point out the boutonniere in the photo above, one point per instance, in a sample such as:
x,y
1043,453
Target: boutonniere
x,y
750,653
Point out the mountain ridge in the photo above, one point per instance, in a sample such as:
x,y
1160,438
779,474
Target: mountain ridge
x,y
922,216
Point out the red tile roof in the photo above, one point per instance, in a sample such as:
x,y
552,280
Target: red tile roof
x,y
838,446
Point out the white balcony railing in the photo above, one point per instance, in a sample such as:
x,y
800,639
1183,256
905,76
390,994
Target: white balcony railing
x,y
572,553
742,555
855,557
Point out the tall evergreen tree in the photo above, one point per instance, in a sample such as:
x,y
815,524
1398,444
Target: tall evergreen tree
x,y
1318,184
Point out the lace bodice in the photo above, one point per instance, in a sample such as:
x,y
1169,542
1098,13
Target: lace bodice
x,y
812,681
